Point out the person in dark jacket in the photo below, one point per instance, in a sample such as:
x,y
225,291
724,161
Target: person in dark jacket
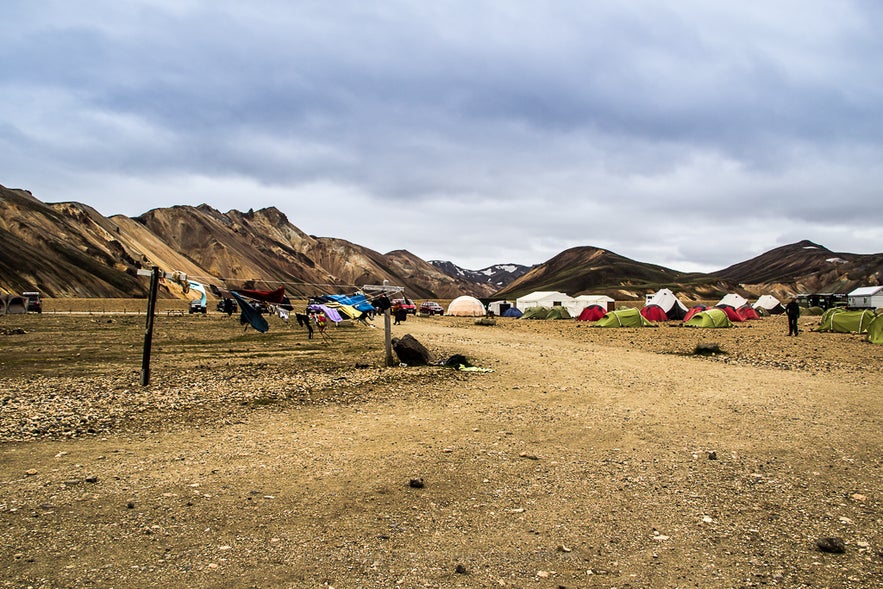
x,y
792,309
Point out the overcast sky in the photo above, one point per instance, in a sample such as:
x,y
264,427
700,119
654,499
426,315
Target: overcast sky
x,y
691,134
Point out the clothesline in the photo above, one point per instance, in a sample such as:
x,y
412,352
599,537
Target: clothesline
x,y
317,285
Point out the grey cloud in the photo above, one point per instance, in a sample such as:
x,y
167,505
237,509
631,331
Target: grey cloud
x,y
678,112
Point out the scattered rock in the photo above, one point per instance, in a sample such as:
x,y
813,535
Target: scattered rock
x,y
31,472
460,570
92,479
416,483
528,456
832,545
712,455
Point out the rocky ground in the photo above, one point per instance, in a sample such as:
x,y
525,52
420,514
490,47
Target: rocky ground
x,y
586,458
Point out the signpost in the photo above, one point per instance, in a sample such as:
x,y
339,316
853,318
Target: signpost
x,y
389,291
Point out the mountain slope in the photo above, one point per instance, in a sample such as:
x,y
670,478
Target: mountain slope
x,y
497,276
591,270
69,249
66,249
806,267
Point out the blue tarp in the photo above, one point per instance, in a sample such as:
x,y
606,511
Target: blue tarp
x,y
358,301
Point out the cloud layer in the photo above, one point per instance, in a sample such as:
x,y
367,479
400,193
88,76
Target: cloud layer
x,y
688,134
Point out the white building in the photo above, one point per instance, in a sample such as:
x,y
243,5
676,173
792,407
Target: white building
x,y
865,297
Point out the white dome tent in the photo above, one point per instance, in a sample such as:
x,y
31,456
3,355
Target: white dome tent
x,y
466,306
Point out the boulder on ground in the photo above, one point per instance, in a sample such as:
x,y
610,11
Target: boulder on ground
x,y
411,352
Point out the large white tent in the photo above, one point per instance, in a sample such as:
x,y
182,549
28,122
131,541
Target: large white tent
x,y
579,303
498,307
543,298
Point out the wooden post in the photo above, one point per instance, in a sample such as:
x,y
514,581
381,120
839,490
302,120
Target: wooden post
x,y
148,332
387,328
388,290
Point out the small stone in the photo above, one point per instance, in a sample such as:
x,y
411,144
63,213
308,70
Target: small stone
x,y
832,545
130,505
31,472
92,479
528,456
416,483
562,548
712,455
460,570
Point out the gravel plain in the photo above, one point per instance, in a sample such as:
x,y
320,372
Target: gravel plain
x,y
582,457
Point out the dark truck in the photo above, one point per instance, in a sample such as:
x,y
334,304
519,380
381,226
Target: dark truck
x,y
34,304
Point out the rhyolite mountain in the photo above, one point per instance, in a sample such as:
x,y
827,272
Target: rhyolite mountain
x,y
68,249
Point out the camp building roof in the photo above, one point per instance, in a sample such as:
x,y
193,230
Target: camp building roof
x,y
866,291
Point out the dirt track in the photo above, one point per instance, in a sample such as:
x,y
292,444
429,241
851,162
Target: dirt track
x,y
588,458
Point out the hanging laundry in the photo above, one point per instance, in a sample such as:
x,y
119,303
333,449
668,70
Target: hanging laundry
x,y
249,315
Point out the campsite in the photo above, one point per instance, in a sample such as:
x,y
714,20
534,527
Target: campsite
x,y
578,457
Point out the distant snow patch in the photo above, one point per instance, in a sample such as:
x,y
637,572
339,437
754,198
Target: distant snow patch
x,y
836,260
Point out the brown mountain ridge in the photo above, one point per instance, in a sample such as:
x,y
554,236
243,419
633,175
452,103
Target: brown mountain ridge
x,y
71,250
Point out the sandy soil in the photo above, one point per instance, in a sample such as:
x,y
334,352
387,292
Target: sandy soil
x,y
587,458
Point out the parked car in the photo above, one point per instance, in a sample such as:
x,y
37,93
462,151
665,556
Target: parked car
x,y
406,304
196,307
34,304
431,308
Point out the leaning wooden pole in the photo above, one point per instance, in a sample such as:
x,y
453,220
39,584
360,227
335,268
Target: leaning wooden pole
x,y
148,331
387,328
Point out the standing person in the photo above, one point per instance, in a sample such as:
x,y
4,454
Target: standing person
x,y
792,309
321,321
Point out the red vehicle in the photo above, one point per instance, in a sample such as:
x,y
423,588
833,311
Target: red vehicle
x,y
431,308
405,304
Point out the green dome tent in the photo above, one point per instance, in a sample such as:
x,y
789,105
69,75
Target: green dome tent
x,y
623,318
709,318
875,330
558,312
842,321
536,312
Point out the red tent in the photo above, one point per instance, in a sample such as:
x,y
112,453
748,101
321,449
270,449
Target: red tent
x,y
733,313
654,313
748,312
592,313
693,311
